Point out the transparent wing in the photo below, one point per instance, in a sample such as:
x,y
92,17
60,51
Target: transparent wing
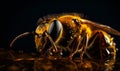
x,y
102,27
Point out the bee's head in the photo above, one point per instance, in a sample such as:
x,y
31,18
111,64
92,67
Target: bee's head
x,y
48,34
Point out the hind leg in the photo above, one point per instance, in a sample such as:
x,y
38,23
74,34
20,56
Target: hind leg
x,y
102,49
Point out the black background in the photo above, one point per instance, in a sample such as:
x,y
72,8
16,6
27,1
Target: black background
x,y
21,15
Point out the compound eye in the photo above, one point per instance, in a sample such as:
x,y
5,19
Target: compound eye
x,y
55,29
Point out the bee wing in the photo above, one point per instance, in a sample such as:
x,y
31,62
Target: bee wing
x,y
102,27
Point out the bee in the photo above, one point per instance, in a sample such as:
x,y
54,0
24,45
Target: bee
x,y
58,34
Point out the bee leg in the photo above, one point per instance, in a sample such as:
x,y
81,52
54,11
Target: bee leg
x,y
77,41
90,44
80,44
45,50
51,40
104,49
84,46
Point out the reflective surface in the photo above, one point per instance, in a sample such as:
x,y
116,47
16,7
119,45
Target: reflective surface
x,y
14,61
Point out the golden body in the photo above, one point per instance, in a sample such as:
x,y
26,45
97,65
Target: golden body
x,y
57,34
76,29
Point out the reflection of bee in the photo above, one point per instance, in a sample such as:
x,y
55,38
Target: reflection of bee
x,y
69,32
